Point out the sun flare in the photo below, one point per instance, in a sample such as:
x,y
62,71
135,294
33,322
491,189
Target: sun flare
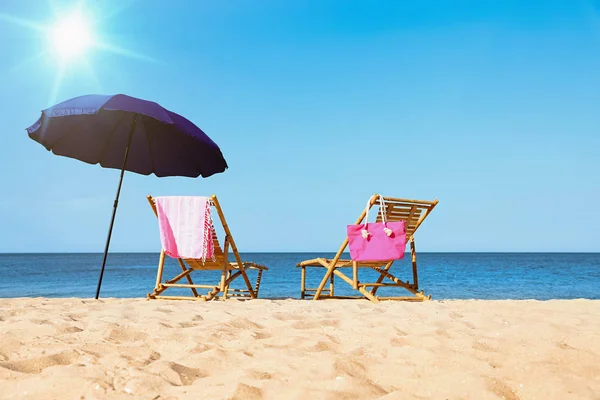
x,y
71,36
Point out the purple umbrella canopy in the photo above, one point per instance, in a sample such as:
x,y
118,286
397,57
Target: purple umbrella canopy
x,y
127,133
96,129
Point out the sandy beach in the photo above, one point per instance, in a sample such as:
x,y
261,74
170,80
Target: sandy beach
x,y
290,349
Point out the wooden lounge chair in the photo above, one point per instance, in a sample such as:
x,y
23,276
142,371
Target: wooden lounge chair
x,y
413,212
229,270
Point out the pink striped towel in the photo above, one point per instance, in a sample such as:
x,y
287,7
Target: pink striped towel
x,y
185,226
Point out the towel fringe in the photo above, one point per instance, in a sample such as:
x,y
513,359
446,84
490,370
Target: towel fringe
x,y
208,235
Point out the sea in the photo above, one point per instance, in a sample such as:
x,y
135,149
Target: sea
x,y
444,276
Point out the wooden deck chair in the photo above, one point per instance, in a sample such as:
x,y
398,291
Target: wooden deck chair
x,y
229,270
413,212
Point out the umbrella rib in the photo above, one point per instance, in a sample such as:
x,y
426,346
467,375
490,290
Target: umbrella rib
x,y
112,133
150,150
63,137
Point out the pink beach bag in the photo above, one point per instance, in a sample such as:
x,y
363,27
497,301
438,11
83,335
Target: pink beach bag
x,y
377,241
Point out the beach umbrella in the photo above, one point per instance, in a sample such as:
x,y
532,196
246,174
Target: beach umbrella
x,y
127,133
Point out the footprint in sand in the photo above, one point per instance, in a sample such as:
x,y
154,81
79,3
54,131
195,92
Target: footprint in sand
x,y
177,374
259,375
247,392
187,375
140,356
125,334
67,328
201,348
350,366
501,389
483,347
75,317
400,332
322,346
37,365
262,335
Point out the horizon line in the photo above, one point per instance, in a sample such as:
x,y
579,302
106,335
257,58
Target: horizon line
x,y
312,252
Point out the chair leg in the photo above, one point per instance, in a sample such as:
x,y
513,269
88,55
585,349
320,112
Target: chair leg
x,y
330,270
213,293
161,265
227,285
242,268
331,293
224,270
223,279
224,284
303,283
247,281
258,278
159,273
413,254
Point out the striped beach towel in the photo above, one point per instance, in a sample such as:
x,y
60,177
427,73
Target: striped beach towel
x,y
185,226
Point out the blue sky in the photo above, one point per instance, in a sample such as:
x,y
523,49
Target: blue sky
x,y
489,106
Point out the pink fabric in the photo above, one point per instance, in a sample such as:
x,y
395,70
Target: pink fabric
x,y
378,246
185,226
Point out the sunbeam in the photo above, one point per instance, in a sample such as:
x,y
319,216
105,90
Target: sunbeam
x,y
27,61
128,53
22,22
92,75
56,85
123,5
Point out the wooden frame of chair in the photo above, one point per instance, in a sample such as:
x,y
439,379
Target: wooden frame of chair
x,y
413,212
229,270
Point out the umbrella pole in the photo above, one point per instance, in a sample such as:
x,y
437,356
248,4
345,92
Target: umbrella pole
x,y
115,204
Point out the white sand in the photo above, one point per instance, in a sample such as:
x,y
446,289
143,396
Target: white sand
x,y
288,349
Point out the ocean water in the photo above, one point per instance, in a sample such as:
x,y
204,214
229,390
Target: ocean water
x,y
539,276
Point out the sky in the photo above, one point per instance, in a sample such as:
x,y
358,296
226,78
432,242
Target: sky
x,y
491,107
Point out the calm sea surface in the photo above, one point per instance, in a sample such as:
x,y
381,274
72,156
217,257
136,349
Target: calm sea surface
x,y
539,276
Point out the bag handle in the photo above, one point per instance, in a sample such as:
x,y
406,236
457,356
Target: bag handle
x,y
365,232
383,209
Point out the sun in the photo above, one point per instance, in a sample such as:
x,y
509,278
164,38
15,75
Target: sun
x,y
71,36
